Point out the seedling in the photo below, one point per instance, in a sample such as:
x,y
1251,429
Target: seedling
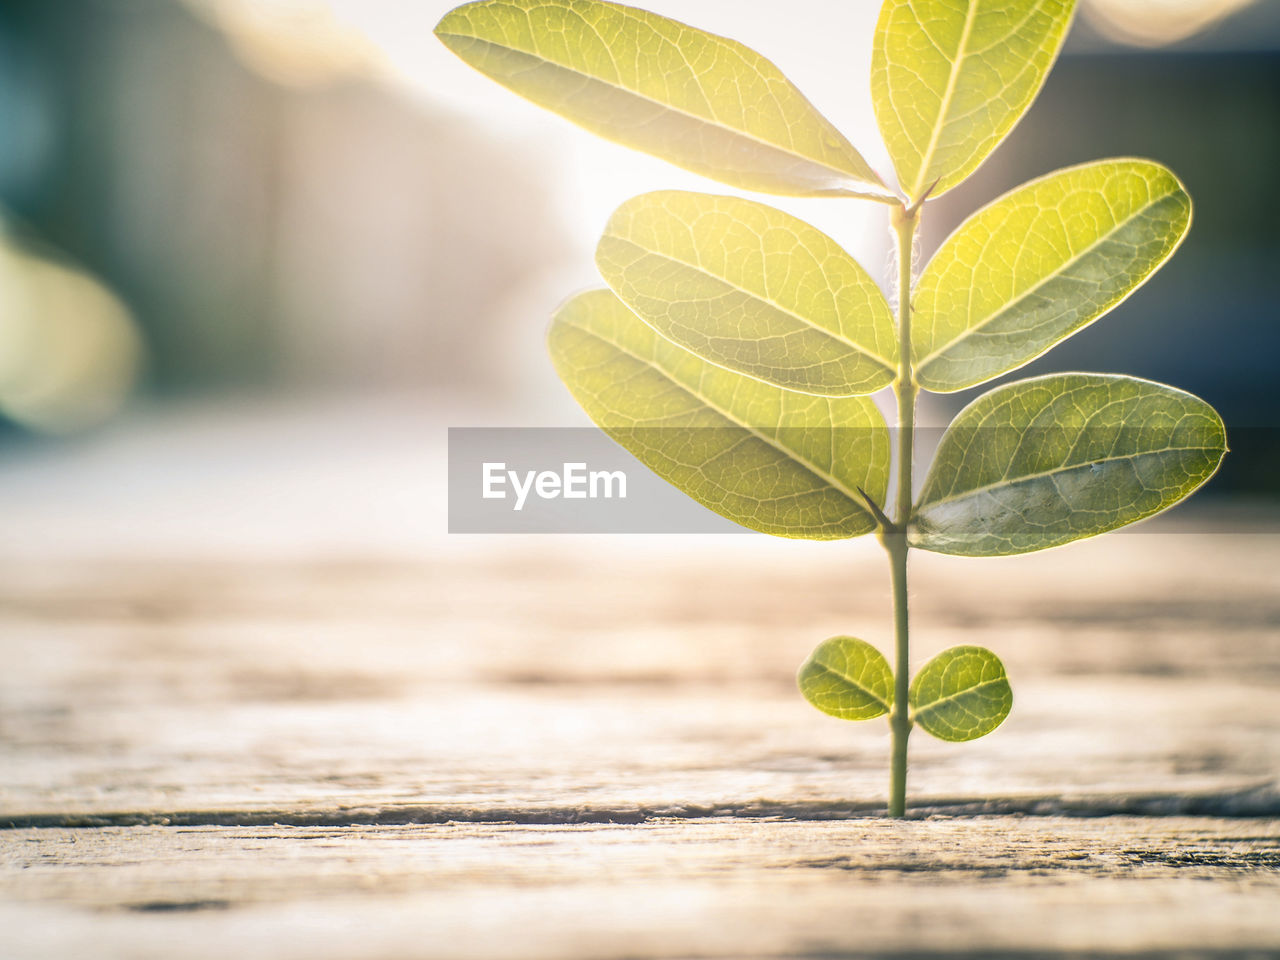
x,y
737,347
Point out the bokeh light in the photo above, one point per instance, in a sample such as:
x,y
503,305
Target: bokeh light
x,y
69,350
299,43
1156,23
309,41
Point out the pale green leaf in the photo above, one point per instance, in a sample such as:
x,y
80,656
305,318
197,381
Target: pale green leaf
x,y
701,101
779,462
1039,264
1042,462
950,78
847,678
751,288
961,694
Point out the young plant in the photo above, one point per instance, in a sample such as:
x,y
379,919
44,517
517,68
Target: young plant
x,y
737,347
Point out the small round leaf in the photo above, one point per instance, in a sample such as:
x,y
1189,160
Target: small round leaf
x,y
847,678
961,694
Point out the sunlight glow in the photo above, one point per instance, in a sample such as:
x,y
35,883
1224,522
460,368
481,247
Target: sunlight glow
x,y
320,40
1155,23
298,43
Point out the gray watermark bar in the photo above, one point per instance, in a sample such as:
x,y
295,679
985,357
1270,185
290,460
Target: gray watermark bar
x,y
579,480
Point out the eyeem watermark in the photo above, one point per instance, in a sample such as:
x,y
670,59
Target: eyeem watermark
x,y
573,482
562,480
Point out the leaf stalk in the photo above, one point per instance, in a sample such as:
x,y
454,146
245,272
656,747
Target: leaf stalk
x,y
883,523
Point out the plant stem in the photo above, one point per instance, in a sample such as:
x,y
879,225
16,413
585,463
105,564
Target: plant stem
x,y
905,222
899,722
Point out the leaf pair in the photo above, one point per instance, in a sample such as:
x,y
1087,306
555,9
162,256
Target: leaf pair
x,y
961,694
755,290
1027,466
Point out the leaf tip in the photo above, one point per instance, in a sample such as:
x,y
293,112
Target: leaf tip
x,y
448,26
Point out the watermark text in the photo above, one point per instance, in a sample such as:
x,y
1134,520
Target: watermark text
x,y
573,482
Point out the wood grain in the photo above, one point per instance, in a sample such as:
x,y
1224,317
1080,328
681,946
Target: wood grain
x,y
585,748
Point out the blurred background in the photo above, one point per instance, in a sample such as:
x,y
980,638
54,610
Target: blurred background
x,y
258,254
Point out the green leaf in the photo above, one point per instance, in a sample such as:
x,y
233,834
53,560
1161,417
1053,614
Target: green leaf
x,y
1039,264
1042,462
961,694
782,463
753,289
950,78
847,678
703,102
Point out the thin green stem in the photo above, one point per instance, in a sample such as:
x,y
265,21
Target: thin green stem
x,y
899,721
904,388
905,223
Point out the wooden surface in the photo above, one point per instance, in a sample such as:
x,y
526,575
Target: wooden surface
x,y
561,747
